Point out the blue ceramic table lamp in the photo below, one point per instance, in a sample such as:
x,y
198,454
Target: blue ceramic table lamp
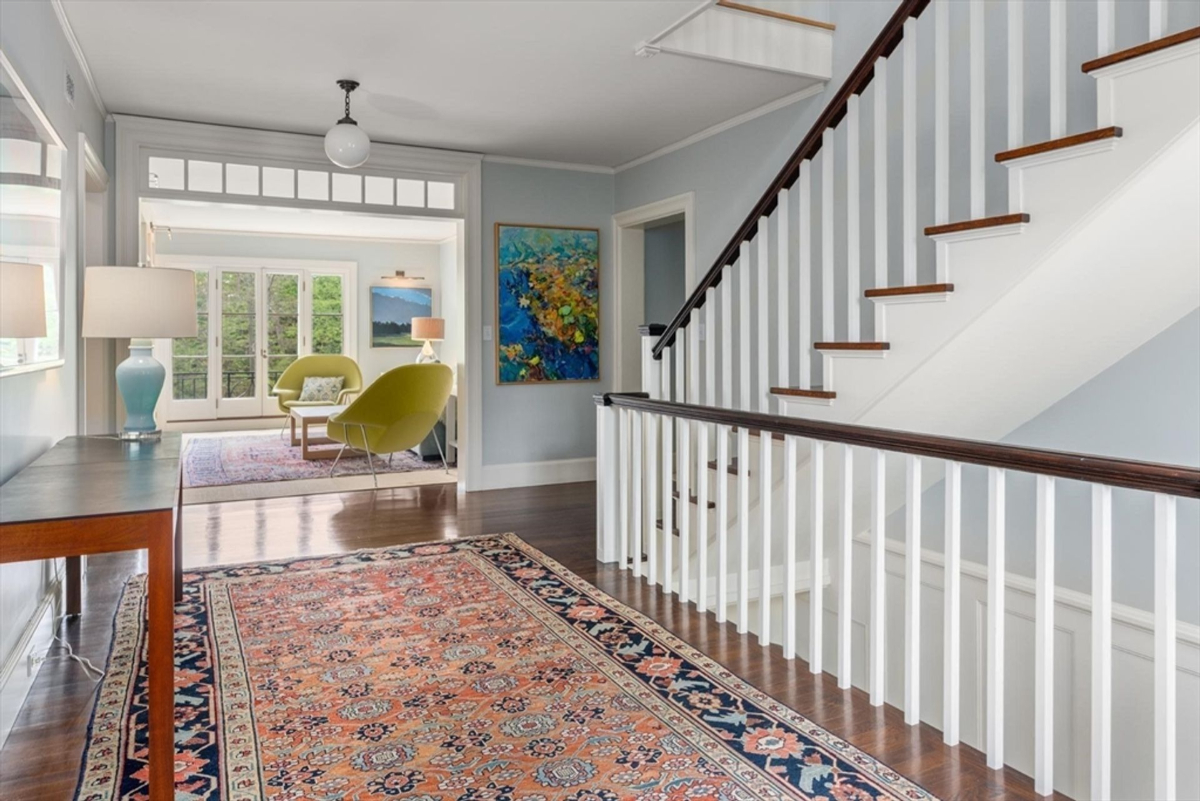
x,y
141,304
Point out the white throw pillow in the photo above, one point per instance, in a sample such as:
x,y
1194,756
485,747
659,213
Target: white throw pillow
x,y
321,389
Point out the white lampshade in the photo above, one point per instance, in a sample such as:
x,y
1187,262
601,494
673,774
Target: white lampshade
x,y
347,145
138,303
428,329
22,300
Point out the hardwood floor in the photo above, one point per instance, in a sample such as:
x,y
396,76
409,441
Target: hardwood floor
x,y
41,758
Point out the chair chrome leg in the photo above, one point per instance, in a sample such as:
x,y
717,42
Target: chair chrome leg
x,y
370,460
441,453
283,428
336,459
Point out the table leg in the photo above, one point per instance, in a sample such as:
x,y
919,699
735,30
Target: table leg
x,y
304,438
74,585
160,657
179,544
292,423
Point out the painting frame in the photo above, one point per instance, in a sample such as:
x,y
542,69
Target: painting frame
x,y
499,342
372,297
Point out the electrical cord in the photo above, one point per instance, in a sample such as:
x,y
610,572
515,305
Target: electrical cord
x,y
94,673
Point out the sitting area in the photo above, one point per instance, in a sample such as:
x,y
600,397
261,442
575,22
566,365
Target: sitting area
x,y
289,390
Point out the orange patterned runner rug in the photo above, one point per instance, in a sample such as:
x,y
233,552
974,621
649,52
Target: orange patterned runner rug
x,y
471,670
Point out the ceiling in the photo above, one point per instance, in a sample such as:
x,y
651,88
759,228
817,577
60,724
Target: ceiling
x,y
236,217
545,80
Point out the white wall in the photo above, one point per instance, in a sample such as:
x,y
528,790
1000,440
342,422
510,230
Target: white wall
x,y
375,258
37,409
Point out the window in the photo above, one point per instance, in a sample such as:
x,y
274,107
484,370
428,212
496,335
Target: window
x,y
327,312
347,188
241,179
165,173
313,185
204,176
441,195
31,226
278,182
189,355
410,193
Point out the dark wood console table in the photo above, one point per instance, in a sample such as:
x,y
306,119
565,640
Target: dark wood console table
x,y
91,495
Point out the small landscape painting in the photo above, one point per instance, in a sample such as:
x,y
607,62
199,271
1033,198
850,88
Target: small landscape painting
x,y
392,311
547,304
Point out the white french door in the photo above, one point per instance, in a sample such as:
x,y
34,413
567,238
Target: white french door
x,y
254,321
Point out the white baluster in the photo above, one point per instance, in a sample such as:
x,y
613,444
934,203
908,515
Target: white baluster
x,y
637,448
1164,647
1016,78
1106,27
827,211
1058,68
710,347
881,152
790,532
668,368
1158,19
941,111
668,524
683,479
743,491
844,567
878,618
608,525
783,329
744,326
693,367
912,592
763,315
978,101
682,346
650,368
623,479
765,452
702,517
1101,785
910,152
952,636
995,619
727,333
652,490
1043,656
805,277
853,242
722,480
816,557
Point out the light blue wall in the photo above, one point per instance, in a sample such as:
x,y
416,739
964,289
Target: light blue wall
x,y
38,409
536,423
1145,407
374,259
665,272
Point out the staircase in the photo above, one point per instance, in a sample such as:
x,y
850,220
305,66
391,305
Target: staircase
x,y
873,288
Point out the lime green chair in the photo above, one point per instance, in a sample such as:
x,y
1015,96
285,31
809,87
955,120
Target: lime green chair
x,y
396,412
291,382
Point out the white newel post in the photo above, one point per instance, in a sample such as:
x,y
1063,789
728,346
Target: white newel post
x,y
607,525
651,370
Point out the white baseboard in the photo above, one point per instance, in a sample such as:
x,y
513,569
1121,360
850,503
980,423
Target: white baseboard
x,y
15,676
535,474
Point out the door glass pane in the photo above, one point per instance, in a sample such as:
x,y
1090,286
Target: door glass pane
x,y
283,322
239,357
189,355
327,323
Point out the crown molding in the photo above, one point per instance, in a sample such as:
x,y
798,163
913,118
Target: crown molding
x,y
721,127
69,33
550,165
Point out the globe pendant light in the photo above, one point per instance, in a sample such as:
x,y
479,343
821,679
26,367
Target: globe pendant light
x,y
346,144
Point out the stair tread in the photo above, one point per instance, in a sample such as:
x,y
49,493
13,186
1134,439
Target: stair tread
x,y
1111,132
731,468
852,346
658,524
919,289
1144,49
815,392
977,224
693,498
754,432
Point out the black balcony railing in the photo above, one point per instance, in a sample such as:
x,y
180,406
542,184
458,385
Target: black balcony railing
x,y
194,386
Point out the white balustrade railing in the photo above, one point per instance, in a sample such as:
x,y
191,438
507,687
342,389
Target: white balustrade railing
x,y
650,449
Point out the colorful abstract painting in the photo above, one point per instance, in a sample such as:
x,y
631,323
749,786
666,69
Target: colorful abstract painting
x,y
547,304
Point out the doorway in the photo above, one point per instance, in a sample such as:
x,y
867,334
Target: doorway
x,y
651,226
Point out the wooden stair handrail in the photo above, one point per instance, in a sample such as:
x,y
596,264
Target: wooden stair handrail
x,y
779,15
855,83
1169,479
